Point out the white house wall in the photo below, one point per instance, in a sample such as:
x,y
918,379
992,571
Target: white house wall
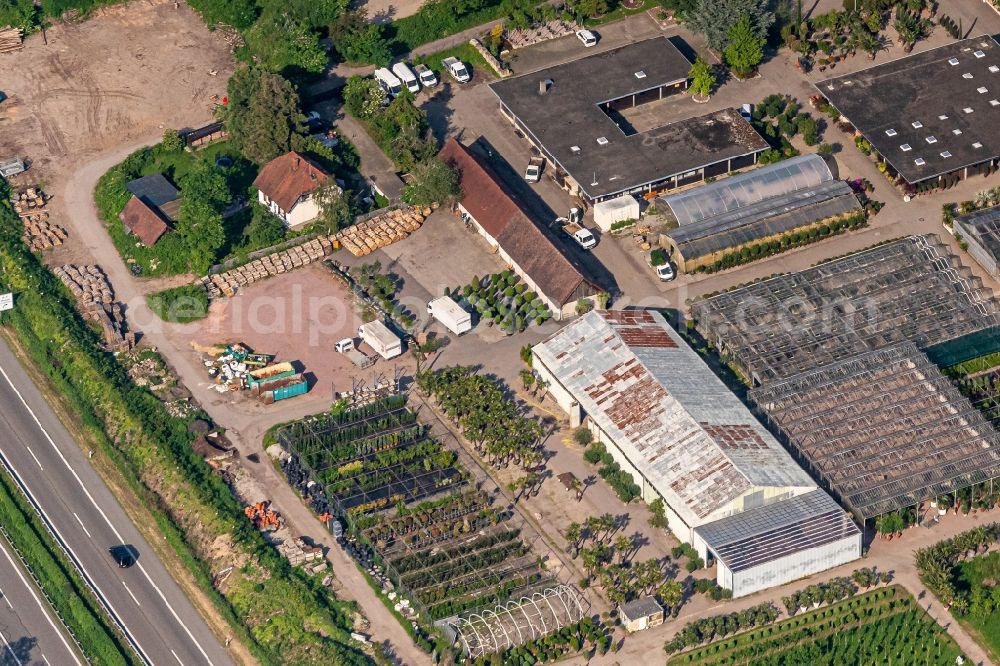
x,y
791,567
304,211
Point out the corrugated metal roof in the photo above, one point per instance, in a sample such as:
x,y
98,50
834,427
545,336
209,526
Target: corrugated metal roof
x,y
677,423
770,532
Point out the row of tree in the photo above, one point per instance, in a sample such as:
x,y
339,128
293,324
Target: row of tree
x,y
936,564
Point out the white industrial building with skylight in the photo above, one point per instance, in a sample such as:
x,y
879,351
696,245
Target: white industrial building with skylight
x,y
730,489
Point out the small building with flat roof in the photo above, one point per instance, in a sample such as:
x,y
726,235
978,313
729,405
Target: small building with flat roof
x,y
573,114
930,115
981,230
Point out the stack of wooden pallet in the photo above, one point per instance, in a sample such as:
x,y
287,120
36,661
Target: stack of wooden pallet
x,y
365,237
40,233
228,283
10,40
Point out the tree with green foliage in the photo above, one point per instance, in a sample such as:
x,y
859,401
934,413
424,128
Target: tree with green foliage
x,y
172,141
22,14
238,13
335,211
263,118
433,182
358,40
702,78
206,184
584,9
264,230
680,8
658,508
715,19
362,96
200,227
745,48
285,46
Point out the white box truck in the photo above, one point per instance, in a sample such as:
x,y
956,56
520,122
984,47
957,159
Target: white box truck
x,y
450,313
381,339
404,74
388,81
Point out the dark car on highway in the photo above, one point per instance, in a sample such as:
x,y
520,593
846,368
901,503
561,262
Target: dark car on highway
x,y
124,556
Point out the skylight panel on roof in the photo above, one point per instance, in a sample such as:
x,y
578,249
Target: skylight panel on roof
x,y
943,117
977,145
905,148
917,124
982,90
967,109
952,61
956,131
890,132
640,74
967,75
994,102
994,69
979,54
602,140
919,161
575,149
931,139
946,153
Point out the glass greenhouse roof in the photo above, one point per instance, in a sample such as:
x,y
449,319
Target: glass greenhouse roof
x,y
746,189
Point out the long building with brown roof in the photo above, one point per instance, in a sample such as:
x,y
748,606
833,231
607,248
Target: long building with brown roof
x,y
530,250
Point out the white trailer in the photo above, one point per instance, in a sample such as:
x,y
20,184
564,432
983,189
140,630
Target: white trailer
x,y
381,339
449,313
405,74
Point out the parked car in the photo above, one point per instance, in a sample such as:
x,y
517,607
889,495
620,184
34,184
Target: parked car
x,y
588,37
428,78
665,272
534,171
457,69
746,111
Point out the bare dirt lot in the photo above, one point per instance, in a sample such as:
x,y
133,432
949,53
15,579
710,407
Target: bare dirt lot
x,y
127,72
298,317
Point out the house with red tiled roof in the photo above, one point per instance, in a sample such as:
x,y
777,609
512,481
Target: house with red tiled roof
x,y
529,249
153,208
286,185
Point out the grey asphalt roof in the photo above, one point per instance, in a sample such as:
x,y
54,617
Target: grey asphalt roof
x,y
643,607
664,408
153,190
568,116
927,112
770,532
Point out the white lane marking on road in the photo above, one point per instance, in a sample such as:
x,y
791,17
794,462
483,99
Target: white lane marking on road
x,y
35,457
46,659
10,649
131,595
177,658
101,511
82,525
38,601
6,600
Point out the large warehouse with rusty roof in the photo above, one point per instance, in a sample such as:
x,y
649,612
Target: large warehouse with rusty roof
x,y
730,489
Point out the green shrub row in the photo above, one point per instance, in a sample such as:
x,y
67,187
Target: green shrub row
x,y
755,251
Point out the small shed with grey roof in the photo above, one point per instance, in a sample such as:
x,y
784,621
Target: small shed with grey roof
x,y
641,614
670,422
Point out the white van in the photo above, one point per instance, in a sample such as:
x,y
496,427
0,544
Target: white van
x,y
406,76
388,81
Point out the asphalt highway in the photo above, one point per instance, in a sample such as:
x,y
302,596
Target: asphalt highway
x,y
147,603
30,633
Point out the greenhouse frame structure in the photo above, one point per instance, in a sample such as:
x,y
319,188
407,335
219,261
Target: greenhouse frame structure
x,y
521,570
885,430
911,289
521,620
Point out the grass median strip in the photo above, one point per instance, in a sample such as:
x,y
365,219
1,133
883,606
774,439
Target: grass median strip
x,y
59,580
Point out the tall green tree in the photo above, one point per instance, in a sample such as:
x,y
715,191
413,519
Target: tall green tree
x,y
263,118
745,49
358,40
334,207
715,19
285,45
200,227
702,78
238,13
433,182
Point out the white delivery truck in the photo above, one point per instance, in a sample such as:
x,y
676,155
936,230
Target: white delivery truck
x,y
404,74
388,82
381,339
449,313
426,75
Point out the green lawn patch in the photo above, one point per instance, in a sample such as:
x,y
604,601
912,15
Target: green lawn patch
x,y
978,577
980,364
180,305
620,12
